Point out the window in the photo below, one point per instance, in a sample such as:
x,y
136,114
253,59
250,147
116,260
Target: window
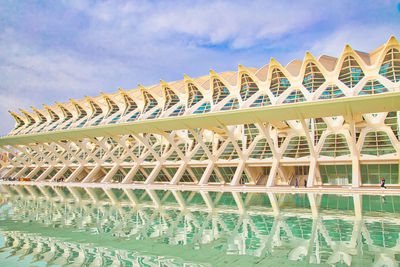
x,y
279,82
313,78
351,72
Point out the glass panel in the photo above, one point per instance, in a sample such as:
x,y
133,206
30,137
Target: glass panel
x,y
279,82
313,78
219,91
335,145
195,95
248,87
336,174
262,100
171,98
377,144
351,72
231,104
297,148
391,65
295,96
149,101
373,87
204,108
332,91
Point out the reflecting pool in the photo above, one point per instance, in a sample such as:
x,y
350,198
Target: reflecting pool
x,y
72,226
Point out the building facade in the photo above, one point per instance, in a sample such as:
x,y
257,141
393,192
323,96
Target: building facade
x,y
325,121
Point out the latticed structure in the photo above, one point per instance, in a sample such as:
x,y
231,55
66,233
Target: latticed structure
x,y
318,121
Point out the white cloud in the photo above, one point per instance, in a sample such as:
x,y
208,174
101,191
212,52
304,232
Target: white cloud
x,y
363,39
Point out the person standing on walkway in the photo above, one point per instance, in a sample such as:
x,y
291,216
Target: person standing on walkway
x,y
305,183
297,182
383,183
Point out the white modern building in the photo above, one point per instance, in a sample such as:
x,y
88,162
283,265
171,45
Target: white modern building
x,y
320,121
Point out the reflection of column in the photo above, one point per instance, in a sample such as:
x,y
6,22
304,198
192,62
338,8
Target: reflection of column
x,y
59,192
179,198
111,196
154,198
74,193
207,199
91,193
358,206
131,196
313,204
274,203
313,237
239,201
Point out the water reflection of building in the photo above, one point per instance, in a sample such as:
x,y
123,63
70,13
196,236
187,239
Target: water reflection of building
x,y
242,127
309,227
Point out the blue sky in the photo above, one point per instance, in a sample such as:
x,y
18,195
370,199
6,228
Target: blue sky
x,y
52,50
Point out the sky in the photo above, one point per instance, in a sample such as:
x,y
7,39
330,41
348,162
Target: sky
x,y
53,50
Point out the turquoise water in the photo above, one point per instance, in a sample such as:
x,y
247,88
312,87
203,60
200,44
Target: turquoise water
x,y
70,226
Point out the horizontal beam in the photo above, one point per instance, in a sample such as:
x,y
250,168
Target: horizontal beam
x,y
315,109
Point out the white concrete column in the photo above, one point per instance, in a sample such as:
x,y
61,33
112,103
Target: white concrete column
x,y
178,175
356,173
21,172
33,172
153,174
75,173
59,174
110,174
312,172
207,173
272,174
238,173
10,171
91,174
45,174
130,174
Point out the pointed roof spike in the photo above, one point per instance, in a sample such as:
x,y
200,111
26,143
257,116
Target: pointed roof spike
x,y
186,77
73,101
14,114
309,56
18,119
141,86
393,40
273,62
347,48
241,68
